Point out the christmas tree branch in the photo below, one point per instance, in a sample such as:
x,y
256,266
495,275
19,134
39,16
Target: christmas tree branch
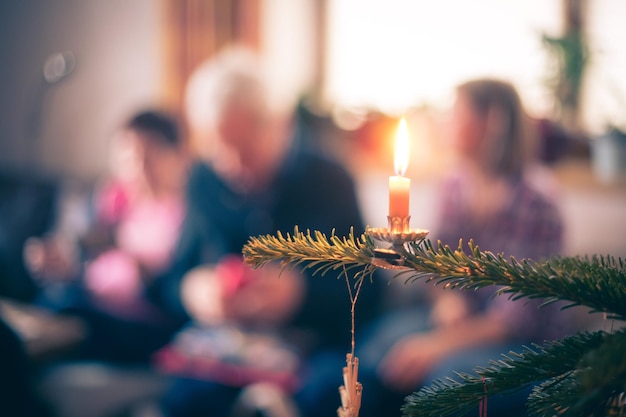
x,y
596,387
602,379
554,363
597,282
312,250
582,375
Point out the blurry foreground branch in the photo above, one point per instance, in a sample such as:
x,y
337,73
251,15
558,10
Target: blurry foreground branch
x,y
578,376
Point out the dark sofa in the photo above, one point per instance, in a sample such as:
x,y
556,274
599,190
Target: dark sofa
x,y
28,207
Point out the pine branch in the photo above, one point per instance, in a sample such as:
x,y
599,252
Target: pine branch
x,y
313,251
596,387
603,377
457,397
597,282
554,396
583,375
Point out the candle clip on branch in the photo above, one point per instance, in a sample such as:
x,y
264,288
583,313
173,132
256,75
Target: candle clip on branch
x,y
352,390
581,375
398,233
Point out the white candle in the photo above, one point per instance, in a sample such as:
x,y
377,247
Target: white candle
x,y
399,185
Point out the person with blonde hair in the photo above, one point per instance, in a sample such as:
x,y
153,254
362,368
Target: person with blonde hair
x,y
252,178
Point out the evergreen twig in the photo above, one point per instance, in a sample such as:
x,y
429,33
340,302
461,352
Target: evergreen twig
x,y
598,282
557,366
579,376
313,251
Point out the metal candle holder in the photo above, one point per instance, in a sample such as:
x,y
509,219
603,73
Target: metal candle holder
x,y
397,233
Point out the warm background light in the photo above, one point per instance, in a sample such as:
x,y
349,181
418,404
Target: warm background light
x,y
442,43
438,43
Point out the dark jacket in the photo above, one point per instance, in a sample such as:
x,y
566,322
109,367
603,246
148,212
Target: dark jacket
x,y
311,192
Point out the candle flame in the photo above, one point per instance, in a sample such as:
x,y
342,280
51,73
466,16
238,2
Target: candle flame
x,y
401,156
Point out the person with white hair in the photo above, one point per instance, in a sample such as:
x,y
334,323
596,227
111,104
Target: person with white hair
x,y
252,178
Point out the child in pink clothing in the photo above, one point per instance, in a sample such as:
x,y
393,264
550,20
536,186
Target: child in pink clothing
x,y
145,234
138,214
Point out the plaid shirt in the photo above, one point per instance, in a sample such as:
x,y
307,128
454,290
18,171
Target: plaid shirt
x,y
528,226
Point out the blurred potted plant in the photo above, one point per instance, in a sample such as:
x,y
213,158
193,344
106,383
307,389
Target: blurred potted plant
x,y
571,58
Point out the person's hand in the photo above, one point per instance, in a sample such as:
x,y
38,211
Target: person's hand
x,y
203,296
234,292
50,259
410,360
266,295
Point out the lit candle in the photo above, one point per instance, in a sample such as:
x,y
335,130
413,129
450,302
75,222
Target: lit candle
x,y
399,185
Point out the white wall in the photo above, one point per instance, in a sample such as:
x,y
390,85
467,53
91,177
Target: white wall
x,y
288,43
605,88
117,48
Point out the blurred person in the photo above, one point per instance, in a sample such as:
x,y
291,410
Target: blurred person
x,y
491,198
138,214
253,178
495,196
